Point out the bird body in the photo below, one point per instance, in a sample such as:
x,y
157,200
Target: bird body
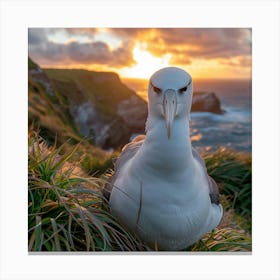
x,y
160,189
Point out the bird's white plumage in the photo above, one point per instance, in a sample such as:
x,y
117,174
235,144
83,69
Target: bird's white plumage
x,y
160,187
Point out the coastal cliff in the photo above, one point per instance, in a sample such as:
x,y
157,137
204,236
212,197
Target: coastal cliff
x,y
74,104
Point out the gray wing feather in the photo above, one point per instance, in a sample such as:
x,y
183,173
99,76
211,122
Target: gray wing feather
x,y
213,187
128,152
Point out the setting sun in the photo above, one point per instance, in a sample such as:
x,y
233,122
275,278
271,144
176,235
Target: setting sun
x,y
146,63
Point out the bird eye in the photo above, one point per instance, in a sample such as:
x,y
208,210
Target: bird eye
x,y
182,90
156,89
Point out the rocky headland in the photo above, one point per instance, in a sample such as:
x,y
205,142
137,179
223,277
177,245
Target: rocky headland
x,y
96,105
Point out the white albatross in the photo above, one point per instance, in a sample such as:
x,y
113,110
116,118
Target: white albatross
x,y
160,189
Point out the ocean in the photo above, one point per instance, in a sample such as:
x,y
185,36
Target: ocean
x,y
209,131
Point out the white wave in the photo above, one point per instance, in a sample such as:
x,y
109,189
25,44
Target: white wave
x,y
232,114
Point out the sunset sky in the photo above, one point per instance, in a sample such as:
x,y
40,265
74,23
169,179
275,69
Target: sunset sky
x,y
218,53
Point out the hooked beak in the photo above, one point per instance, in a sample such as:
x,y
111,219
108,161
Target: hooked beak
x,y
169,109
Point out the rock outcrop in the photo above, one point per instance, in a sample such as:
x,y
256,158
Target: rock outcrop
x,y
134,112
206,102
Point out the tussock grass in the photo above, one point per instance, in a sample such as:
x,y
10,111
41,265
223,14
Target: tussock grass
x,y
98,166
233,173
67,212
224,240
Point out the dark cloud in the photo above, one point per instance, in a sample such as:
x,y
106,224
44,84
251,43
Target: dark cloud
x,y
46,52
98,53
36,36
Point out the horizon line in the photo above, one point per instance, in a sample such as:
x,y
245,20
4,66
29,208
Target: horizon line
x,y
144,79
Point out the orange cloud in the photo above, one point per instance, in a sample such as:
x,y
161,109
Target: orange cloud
x,y
199,49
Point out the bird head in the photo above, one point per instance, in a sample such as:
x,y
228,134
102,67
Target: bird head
x,y
170,95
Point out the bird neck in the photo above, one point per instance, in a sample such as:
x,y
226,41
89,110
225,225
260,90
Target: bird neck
x,y
161,153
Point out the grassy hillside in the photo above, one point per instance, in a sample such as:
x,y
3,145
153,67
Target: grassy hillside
x,y
32,64
81,103
104,89
49,117
48,109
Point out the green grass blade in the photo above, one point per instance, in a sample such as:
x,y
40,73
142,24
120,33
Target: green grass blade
x,y
38,234
55,234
